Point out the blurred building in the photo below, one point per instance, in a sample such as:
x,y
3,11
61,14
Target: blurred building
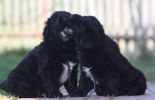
x,y
130,22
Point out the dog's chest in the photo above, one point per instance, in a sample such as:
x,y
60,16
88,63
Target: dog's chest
x,y
65,73
89,74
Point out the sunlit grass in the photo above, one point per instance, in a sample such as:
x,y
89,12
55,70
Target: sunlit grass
x,y
6,96
2,97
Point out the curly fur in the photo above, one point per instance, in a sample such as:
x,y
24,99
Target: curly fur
x,y
109,70
40,70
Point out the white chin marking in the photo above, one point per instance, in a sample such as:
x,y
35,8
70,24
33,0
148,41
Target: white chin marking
x,y
64,76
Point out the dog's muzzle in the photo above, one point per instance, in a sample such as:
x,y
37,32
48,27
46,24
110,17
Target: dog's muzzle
x,y
66,34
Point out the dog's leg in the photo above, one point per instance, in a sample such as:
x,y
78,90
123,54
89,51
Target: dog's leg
x,y
51,78
51,87
71,84
52,90
108,88
137,87
85,85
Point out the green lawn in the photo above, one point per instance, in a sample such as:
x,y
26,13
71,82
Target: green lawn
x,y
146,63
10,58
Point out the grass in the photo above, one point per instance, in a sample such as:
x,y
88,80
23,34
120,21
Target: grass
x,y
9,59
6,96
2,97
146,63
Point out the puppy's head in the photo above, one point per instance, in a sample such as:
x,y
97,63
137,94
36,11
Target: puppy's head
x,y
87,31
55,28
75,23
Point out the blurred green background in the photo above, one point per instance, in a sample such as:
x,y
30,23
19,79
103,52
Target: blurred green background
x,y
130,23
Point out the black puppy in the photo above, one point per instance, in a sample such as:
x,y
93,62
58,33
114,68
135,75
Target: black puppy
x,y
103,67
45,68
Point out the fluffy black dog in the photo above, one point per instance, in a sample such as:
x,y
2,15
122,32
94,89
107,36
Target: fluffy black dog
x,y
44,69
103,67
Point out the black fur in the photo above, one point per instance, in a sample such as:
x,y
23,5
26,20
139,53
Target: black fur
x,y
40,70
111,71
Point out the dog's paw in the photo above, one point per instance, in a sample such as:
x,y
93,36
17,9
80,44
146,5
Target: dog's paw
x,y
55,95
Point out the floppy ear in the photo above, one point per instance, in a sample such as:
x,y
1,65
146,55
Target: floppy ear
x,y
90,40
46,31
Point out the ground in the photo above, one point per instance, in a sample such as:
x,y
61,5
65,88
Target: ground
x,y
149,95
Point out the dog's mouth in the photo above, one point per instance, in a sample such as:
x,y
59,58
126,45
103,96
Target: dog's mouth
x,y
66,34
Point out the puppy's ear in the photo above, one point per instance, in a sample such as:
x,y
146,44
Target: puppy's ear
x,y
93,33
46,31
90,40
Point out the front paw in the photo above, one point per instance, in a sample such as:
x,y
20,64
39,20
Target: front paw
x,y
60,95
106,92
78,93
55,95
